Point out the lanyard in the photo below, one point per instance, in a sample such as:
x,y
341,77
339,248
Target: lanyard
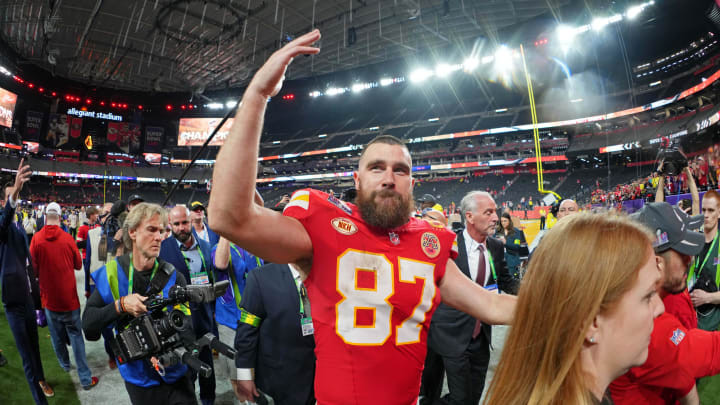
x,y
131,271
303,298
231,273
707,255
492,265
187,259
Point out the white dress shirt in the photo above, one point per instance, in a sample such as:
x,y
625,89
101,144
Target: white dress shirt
x,y
473,257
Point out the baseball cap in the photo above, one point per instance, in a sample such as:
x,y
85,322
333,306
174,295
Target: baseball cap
x,y
196,205
53,208
673,229
135,197
426,198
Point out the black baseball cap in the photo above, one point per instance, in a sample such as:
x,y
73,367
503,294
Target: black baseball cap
x,y
196,205
673,229
135,197
426,198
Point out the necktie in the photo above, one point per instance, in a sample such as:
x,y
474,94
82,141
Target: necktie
x,y
480,279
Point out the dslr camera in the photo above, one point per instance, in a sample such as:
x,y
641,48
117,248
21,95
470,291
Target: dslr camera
x,y
671,158
157,332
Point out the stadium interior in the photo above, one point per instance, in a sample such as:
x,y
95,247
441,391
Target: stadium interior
x,y
108,99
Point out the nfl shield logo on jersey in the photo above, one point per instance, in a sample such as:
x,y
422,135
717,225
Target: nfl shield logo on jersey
x,y
677,336
430,244
394,238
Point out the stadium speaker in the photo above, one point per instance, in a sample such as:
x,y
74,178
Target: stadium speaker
x,y
351,36
713,14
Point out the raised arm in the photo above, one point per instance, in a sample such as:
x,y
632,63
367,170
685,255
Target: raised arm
x,y
693,191
461,293
222,254
232,213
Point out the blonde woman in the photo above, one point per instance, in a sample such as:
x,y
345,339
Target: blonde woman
x,y
584,315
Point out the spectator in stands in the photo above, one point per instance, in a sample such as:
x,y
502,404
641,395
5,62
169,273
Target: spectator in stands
x,y
461,340
270,334
704,278
232,263
568,350
17,288
56,256
192,258
679,353
200,228
516,249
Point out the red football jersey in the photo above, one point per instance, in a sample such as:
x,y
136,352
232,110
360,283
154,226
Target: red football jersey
x,y
372,294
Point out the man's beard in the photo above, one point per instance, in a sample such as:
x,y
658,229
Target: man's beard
x,y
384,216
182,236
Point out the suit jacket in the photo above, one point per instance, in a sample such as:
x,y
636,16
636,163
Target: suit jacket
x,y
14,253
201,314
282,357
212,236
450,329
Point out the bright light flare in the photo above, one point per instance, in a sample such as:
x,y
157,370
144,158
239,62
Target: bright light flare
x,y
419,75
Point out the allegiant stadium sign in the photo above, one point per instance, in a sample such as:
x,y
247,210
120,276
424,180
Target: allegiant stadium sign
x,y
94,114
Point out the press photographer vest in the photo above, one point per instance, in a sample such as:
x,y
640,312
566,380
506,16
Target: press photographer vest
x,y
113,284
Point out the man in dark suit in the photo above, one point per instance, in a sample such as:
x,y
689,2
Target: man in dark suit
x,y
16,285
274,337
462,341
192,258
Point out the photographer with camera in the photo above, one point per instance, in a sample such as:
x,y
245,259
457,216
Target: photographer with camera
x,y
122,288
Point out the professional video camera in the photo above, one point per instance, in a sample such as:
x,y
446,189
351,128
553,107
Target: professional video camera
x,y
157,332
112,223
670,159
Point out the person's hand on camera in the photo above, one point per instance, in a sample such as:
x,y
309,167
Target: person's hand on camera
x,y
268,80
133,304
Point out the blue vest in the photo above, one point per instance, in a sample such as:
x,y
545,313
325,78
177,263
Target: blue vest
x,y
227,307
112,283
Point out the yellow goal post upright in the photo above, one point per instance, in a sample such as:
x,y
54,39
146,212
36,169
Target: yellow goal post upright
x,y
536,133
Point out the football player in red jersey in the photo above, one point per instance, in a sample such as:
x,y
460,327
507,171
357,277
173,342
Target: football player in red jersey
x,y
374,275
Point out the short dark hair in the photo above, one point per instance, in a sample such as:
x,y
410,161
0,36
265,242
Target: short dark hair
x,y
4,187
387,140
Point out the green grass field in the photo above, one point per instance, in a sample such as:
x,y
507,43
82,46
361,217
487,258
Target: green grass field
x,y
14,389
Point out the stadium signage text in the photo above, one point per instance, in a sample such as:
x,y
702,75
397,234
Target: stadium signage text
x,y
95,114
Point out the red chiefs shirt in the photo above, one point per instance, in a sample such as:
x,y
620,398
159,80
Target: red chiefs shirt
x,y
677,356
56,257
372,295
82,235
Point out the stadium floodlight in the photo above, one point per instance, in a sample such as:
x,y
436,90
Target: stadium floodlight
x,y
442,70
487,59
470,64
634,11
215,106
503,58
577,100
386,82
231,104
4,71
335,90
419,75
358,87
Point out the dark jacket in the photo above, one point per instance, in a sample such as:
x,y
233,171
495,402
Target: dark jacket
x,y
282,357
450,329
212,236
202,314
14,253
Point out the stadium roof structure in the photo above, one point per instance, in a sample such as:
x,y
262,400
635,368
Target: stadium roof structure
x,y
193,45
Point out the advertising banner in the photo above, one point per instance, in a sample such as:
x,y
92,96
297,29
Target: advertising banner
x,y
7,107
195,131
124,136
33,125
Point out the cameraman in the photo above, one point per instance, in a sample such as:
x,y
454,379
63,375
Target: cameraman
x,y
122,287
